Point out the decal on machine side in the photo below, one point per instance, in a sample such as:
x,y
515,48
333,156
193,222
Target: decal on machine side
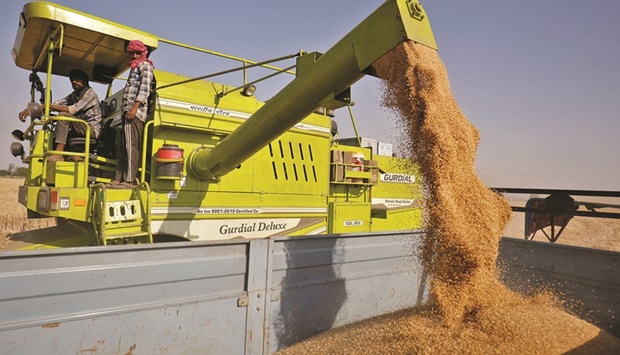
x,y
203,109
392,202
355,223
233,210
229,113
207,229
399,178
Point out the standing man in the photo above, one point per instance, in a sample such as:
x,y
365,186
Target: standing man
x,y
82,103
134,107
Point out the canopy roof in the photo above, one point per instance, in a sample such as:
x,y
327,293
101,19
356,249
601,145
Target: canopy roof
x,y
89,43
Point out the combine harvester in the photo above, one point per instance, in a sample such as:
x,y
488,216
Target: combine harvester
x,y
216,163
268,227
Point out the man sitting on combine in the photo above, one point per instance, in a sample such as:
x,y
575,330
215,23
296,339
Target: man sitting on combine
x,y
82,103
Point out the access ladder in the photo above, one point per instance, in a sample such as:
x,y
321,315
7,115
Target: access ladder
x,y
121,216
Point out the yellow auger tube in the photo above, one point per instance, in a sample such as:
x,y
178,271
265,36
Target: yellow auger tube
x,y
341,66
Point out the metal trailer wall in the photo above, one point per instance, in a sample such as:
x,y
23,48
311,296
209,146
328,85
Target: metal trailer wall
x,y
231,297
587,280
251,296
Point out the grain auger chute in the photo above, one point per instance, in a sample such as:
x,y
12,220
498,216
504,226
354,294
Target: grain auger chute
x,y
322,80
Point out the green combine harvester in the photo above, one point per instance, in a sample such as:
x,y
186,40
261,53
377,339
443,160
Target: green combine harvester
x,y
216,163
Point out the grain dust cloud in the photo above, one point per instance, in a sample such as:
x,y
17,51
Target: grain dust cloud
x,y
471,311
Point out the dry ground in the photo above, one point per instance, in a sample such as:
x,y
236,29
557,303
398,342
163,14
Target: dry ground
x,y
13,216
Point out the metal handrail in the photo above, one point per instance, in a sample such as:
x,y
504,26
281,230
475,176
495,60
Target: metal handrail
x,y
222,55
85,154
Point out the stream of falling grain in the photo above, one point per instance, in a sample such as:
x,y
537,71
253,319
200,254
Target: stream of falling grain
x,y
471,311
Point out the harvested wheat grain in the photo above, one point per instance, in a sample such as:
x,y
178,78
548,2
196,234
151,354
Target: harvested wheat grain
x,y
471,312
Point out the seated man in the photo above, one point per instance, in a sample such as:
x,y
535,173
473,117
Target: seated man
x,y
82,103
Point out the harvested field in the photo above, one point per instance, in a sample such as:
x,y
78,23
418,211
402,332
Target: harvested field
x,y
13,216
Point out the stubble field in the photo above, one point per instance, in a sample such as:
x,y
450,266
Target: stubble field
x,y
13,217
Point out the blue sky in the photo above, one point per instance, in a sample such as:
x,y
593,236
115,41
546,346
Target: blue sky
x,y
539,79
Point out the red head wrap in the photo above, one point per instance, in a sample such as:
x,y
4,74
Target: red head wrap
x,y
136,46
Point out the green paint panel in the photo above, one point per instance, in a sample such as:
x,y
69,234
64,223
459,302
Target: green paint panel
x,y
349,217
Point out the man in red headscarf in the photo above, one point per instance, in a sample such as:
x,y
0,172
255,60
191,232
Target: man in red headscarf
x,y
134,107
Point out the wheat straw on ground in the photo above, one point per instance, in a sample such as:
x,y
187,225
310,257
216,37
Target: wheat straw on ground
x,y
13,216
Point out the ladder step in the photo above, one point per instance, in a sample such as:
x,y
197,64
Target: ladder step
x,y
122,211
126,235
127,238
124,227
121,217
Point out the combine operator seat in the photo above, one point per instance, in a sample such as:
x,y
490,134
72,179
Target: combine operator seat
x,y
78,144
101,161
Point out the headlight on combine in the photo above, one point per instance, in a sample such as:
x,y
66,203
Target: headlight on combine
x,y
34,110
249,90
17,134
17,149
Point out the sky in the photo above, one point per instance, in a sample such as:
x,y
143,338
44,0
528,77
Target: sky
x,y
539,79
